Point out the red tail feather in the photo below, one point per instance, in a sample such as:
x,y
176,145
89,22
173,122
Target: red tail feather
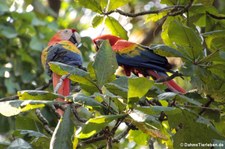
x,y
172,85
64,89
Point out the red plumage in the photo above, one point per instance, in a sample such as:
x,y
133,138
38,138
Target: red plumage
x,y
140,60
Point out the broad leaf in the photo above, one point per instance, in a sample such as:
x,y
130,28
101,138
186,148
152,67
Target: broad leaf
x,y
166,50
36,95
97,20
62,136
138,87
214,40
105,64
115,27
94,125
76,74
19,144
113,4
94,5
11,108
118,87
183,38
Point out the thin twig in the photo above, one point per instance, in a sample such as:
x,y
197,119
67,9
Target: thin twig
x,y
59,84
121,135
181,11
14,97
206,106
44,121
76,115
176,74
142,13
215,17
91,140
175,10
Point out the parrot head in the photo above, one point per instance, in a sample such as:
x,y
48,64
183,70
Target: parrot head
x,y
112,39
66,34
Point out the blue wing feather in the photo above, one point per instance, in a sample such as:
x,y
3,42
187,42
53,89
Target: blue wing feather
x,y
146,59
58,53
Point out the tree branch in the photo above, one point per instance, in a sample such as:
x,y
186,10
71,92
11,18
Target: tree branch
x,y
175,10
44,121
142,13
206,106
76,115
214,16
176,74
14,97
59,84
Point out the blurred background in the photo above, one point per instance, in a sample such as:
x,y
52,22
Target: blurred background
x,y
27,25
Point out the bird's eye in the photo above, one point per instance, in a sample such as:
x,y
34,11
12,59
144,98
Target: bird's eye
x,y
77,36
66,31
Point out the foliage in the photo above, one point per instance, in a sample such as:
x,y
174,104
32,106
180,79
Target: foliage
x,y
107,110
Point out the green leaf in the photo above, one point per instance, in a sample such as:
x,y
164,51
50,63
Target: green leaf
x,y
182,38
3,7
113,4
82,99
214,40
94,5
76,74
155,110
155,17
97,20
36,95
177,97
205,2
115,27
138,136
36,44
11,108
166,50
118,87
8,31
94,125
105,64
138,87
186,124
145,123
62,136
19,144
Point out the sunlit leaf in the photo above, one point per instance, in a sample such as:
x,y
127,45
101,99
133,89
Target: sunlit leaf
x,y
11,108
36,95
115,27
166,50
94,125
76,74
113,4
97,20
214,40
156,17
94,5
138,87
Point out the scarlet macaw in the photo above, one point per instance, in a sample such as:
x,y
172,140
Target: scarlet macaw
x,y
62,47
140,60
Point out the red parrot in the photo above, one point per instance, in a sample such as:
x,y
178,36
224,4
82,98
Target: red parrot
x,y
140,60
62,47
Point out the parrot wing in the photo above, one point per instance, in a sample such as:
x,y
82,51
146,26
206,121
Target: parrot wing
x,y
133,55
64,52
